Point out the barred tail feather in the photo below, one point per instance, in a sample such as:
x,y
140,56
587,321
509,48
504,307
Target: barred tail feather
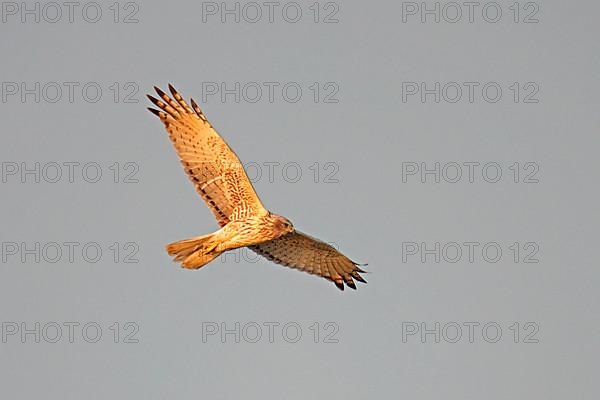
x,y
196,252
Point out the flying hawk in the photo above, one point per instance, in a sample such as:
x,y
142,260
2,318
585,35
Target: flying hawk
x,y
220,179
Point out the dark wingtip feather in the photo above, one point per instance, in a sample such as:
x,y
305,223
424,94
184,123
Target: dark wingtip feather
x,y
359,278
154,111
160,92
196,107
351,284
340,285
172,89
153,99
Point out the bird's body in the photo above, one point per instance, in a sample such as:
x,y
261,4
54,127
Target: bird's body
x,y
220,179
254,229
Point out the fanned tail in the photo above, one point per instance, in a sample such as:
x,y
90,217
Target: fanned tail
x,y
196,252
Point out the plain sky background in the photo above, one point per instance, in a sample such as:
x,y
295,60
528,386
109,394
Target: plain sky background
x,y
371,212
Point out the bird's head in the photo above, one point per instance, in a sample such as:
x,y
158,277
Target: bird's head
x,y
281,224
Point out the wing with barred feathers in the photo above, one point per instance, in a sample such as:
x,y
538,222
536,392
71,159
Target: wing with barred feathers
x,y
300,251
214,169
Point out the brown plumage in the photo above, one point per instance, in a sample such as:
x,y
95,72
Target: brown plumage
x,y
220,179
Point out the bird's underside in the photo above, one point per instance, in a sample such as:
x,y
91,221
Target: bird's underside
x,y
221,181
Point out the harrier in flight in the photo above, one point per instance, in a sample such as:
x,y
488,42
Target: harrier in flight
x,y
220,179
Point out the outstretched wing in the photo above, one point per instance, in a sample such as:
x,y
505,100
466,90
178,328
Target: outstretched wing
x,y
300,251
213,168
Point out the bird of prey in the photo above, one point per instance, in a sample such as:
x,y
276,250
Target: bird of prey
x,y
220,179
